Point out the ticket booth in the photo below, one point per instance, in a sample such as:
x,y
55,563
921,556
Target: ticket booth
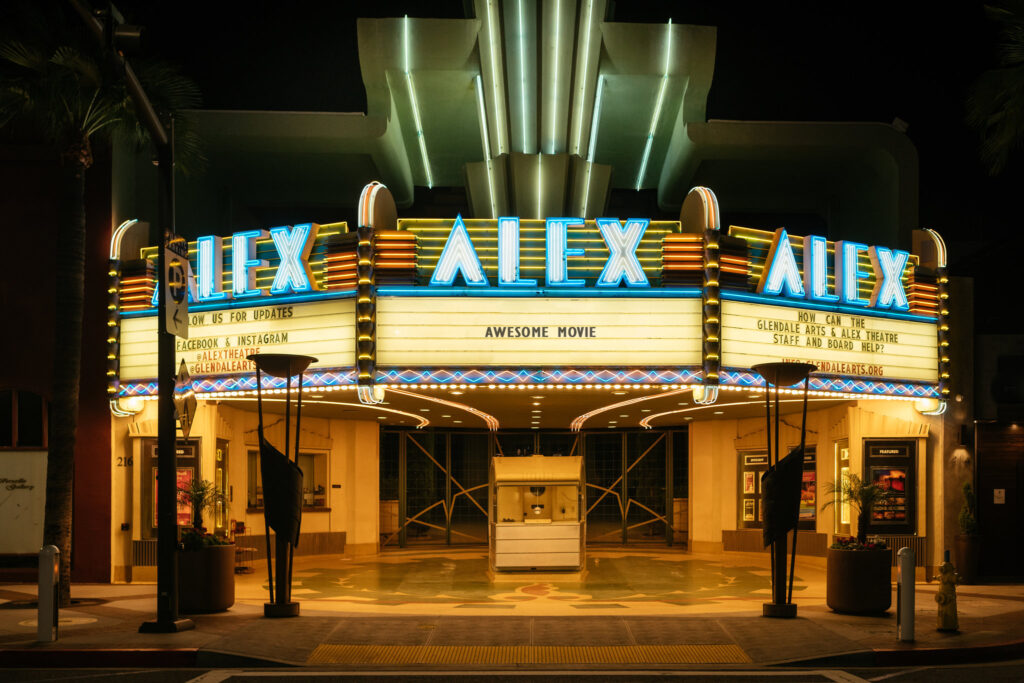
x,y
537,513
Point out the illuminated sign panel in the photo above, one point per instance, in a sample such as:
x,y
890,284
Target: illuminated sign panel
x,y
838,343
513,293
221,340
556,331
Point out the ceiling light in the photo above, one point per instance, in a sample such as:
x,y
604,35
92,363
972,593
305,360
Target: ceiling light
x,y
537,397
618,393
623,415
536,410
424,410
381,417
682,403
645,410
456,393
536,403
446,416
687,418
719,412
458,422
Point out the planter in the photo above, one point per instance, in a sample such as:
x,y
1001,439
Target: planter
x,y
966,557
859,581
206,579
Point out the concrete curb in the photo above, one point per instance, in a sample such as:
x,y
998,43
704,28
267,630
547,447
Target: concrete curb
x,y
99,657
197,658
916,656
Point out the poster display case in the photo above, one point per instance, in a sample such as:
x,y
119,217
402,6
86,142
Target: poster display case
x,y
752,468
891,465
537,513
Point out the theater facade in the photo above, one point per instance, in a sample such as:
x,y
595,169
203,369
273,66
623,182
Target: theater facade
x,y
444,342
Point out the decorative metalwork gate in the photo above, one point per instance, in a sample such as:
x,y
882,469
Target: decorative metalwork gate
x,y
434,484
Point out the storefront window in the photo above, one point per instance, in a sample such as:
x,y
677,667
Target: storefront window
x,y
22,419
752,468
314,480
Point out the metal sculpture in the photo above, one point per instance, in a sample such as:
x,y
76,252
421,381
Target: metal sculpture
x,y
782,484
282,481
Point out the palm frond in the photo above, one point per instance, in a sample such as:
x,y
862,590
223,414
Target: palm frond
x,y
24,55
995,102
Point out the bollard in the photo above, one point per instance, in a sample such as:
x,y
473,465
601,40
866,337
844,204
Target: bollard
x,y
905,595
49,582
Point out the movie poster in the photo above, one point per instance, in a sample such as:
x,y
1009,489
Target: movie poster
x,y
748,482
808,496
892,510
748,510
184,509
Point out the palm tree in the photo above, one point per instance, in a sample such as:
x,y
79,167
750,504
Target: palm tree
x,y
54,80
860,495
201,495
995,104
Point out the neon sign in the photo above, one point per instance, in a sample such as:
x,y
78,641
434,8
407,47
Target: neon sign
x,y
293,245
781,275
622,240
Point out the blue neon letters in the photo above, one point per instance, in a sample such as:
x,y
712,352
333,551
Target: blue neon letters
x,y
622,241
781,276
459,256
244,263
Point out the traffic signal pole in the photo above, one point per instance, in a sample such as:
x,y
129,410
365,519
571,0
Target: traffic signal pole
x,y
167,618
102,26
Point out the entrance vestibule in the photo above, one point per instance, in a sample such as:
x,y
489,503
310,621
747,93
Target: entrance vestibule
x,y
433,483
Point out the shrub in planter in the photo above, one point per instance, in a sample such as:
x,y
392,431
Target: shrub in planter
x,y
967,541
206,565
859,578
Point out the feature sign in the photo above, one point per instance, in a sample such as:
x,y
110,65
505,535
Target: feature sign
x,y
838,343
223,339
556,331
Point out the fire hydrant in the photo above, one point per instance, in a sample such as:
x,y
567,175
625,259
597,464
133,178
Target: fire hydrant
x,y
946,597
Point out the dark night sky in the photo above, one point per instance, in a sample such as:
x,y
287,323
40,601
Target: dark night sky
x,y
869,61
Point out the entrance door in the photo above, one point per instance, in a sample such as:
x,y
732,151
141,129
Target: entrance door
x,y
1000,457
628,491
434,487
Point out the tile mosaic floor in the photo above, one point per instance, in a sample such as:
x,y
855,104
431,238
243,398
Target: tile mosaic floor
x,y
619,579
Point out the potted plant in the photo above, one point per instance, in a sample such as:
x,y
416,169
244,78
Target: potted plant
x,y
206,565
859,576
968,541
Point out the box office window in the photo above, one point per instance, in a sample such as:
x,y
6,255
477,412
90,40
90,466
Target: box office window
x,y
753,465
892,465
314,480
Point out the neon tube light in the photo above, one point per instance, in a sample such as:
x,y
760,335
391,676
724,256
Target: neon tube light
x,y
646,422
522,71
499,104
487,146
657,110
415,107
118,235
577,424
583,78
592,144
423,421
491,421
553,99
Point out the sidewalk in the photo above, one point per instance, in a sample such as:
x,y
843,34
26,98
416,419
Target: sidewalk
x,y
634,607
